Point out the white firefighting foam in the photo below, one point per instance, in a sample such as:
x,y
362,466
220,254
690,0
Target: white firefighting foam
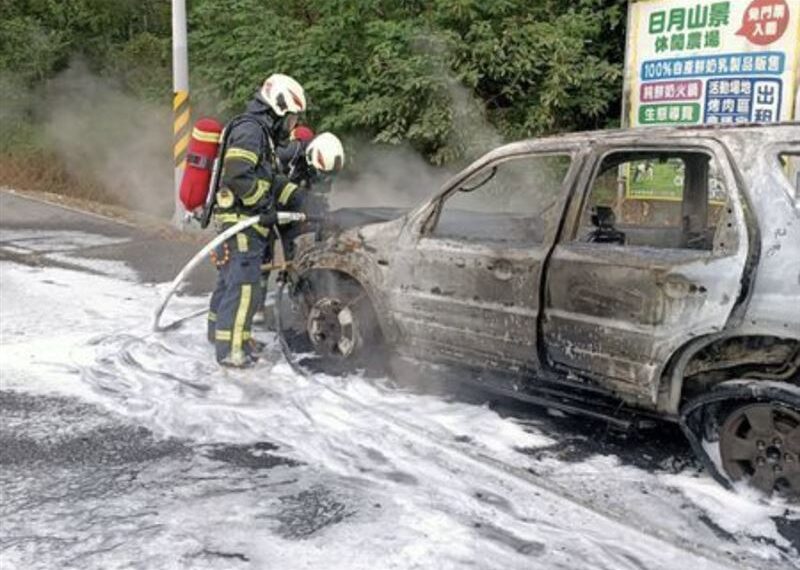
x,y
86,336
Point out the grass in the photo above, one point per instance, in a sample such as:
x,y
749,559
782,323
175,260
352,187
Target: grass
x,y
43,171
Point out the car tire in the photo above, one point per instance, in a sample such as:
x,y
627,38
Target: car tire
x,y
338,324
759,444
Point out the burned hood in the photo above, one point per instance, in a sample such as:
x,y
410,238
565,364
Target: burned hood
x,y
347,231
355,225
346,218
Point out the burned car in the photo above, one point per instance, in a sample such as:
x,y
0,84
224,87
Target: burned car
x,y
619,274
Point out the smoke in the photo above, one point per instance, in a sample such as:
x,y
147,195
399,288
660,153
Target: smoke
x,y
101,132
397,176
124,144
385,176
472,134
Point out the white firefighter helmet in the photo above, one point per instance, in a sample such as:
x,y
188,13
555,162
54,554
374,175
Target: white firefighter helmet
x,y
283,94
325,153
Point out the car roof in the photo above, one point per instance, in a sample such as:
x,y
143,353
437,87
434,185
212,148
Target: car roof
x,y
788,130
774,132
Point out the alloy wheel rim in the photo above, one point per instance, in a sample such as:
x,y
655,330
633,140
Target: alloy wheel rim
x,y
760,444
332,328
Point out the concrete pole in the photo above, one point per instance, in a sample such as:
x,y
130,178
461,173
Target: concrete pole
x,y
180,101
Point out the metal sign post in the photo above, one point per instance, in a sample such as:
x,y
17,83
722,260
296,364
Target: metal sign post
x,y
180,101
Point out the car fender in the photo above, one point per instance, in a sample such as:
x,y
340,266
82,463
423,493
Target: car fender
x,y
343,256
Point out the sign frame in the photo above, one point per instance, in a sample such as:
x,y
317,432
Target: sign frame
x,y
789,97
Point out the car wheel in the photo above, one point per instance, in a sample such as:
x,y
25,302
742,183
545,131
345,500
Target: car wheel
x,y
341,328
759,443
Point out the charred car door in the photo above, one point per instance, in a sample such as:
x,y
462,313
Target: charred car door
x,y
652,253
466,280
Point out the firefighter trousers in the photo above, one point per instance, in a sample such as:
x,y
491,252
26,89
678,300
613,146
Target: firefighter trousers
x,y
236,295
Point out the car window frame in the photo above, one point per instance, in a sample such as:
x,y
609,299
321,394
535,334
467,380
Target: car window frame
x,y
775,151
676,146
425,218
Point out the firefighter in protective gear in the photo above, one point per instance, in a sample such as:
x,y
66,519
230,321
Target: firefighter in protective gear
x,y
310,166
311,160
311,175
251,183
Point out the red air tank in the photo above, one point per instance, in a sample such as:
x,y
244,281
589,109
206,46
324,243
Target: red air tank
x,y
203,147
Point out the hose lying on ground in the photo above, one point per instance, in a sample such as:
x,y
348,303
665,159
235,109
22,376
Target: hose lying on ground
x,y
284,343
283,218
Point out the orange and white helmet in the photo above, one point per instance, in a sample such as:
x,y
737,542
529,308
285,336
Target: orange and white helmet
x,y
283,94
325,153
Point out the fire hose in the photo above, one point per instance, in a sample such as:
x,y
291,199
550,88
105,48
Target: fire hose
x,y
284,343
283,218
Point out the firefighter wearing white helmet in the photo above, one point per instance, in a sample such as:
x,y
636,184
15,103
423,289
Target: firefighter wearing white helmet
x,y
287,98
310,165
283,94
251,184
325,153
309,160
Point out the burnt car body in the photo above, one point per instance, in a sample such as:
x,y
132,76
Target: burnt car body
x,y
656,268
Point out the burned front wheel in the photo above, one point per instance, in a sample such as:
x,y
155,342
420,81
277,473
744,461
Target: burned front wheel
x,y
334,329
759,443
337,330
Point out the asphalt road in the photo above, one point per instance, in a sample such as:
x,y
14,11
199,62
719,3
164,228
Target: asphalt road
x,y
152,256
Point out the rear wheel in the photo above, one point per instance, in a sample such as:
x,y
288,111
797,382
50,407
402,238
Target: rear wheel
x,y
759,443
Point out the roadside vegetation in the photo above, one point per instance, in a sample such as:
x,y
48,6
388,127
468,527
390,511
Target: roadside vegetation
x,y
446,78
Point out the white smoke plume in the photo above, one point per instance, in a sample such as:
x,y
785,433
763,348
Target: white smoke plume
x,y
123,143
397,176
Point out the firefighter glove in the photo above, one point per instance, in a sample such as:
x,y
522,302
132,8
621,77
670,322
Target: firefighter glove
x,y
268,218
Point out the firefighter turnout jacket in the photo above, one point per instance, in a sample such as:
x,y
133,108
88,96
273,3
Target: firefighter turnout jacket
x,y
251,178
305,193
296,199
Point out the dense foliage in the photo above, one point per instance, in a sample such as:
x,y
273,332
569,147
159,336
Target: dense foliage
x,y
436,74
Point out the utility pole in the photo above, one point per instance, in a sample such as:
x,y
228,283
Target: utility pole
x,y
180,101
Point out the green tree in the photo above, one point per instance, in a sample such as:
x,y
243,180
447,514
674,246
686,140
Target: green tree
x,y
436,74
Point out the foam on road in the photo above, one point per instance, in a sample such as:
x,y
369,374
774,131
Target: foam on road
x,y
124,448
